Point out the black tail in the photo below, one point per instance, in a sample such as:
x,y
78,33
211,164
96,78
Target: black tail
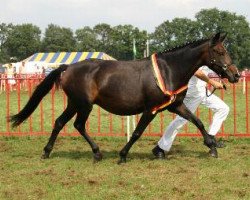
x,y
42,89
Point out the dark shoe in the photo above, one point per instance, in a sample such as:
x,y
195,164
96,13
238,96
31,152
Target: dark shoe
x,y
158,152
220,144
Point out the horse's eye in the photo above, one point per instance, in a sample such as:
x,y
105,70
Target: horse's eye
x,y
221,53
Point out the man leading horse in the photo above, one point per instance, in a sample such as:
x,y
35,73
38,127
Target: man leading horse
x,y
146,86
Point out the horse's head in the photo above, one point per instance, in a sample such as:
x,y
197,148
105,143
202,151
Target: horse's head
x,y
219,60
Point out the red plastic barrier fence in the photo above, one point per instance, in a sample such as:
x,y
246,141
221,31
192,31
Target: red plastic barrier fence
x,y
16,91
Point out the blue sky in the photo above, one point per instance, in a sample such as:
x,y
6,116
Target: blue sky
x,y
144,14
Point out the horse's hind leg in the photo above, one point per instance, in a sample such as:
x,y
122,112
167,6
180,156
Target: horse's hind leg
x,y
82,116
68,113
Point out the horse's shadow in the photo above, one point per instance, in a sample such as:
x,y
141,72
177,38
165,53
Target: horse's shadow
x,y
177,152
110,155
182,152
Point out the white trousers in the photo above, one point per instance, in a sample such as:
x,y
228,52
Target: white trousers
x,y
219,108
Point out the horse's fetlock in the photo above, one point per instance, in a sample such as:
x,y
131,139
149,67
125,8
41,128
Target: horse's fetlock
x,y
96,150
210,141
48,149
122,153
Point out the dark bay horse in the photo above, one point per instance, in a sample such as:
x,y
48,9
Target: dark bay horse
x,y
130,87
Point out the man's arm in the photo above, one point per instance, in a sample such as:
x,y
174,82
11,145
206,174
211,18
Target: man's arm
x,y
199,74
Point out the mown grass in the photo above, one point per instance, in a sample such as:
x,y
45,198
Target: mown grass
x,y
188,173
70,173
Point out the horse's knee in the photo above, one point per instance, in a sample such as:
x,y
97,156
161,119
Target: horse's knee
x,y
79,126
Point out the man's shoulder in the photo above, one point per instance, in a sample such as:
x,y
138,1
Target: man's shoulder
x,y
206,69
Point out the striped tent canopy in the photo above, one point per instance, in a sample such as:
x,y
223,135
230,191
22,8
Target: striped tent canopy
x,y
66,57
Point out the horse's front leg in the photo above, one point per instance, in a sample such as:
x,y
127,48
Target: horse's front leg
x,y
209,140
145,119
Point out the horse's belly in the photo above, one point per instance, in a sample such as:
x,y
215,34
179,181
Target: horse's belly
x,y
119,107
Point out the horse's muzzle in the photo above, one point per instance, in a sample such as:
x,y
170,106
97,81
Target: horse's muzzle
x,y
234,74
234,78
237,77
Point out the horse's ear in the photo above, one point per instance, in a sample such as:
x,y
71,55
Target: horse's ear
x,y
215,39
223,36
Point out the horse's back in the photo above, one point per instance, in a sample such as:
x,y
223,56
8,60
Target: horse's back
x,y
120,87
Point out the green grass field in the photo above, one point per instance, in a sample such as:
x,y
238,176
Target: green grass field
x,y
70,173
188,173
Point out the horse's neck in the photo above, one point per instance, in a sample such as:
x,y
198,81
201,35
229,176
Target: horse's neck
x,y
183,64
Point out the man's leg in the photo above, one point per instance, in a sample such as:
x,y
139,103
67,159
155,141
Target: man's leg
x,y
220,110
170,133
166,141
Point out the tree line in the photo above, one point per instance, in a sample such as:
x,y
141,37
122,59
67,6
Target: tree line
x,y
21,41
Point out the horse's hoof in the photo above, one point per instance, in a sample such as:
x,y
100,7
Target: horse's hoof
x,y
213,153
45,156
97,157
158,153
122,161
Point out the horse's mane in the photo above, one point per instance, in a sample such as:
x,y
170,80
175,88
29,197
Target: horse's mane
x,y
191,44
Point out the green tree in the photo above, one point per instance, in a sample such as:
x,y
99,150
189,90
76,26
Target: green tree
x,y
103,34
86,39
116,41
58,39
170,34
4,32
22,41
122,41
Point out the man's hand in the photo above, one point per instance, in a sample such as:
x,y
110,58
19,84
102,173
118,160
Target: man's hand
x,y
216,84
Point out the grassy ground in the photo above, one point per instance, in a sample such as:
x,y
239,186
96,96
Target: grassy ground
x,y
188,173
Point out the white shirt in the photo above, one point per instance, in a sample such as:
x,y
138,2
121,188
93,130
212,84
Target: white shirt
x,y
196,85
